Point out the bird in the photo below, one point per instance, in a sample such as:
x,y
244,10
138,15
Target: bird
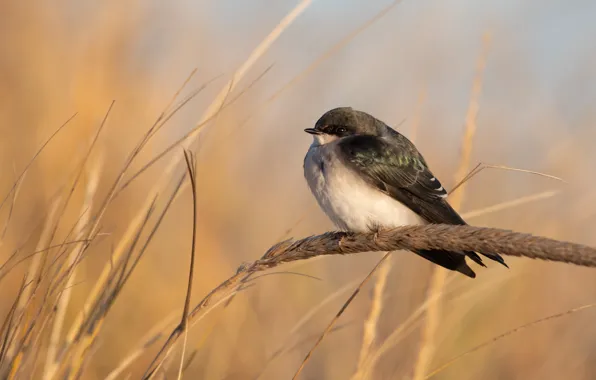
x,y
366,177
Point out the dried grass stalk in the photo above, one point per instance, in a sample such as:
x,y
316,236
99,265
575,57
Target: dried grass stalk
x,y
434,236
439,276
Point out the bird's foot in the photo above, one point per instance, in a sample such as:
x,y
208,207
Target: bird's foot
x,y
376,229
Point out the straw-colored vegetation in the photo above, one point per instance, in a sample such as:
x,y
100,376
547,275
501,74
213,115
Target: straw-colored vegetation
x,y
122,165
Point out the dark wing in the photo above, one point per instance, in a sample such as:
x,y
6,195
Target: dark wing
x,y
398,170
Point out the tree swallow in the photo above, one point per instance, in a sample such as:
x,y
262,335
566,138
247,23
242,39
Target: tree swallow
x,y
367,176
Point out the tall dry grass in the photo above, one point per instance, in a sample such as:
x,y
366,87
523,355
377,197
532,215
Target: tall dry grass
x,y
96,219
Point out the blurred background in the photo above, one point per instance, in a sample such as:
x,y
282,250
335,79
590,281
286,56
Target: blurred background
x,y
413,64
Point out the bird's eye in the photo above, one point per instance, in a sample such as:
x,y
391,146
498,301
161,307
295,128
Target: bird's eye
x,y
341,130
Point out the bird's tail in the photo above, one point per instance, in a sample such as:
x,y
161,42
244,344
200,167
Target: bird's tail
x,y
493,256
451,260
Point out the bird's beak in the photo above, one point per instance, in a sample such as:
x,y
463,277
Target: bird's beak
x,y
312,131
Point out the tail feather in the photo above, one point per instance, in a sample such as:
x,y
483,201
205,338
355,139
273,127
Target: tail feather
x,y
475,258
496,257
493,256
457,260
451,260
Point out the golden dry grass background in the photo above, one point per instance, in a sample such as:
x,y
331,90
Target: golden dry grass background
x,y
414,67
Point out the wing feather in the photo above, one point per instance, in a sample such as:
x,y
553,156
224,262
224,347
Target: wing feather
x,y
400,173
397,169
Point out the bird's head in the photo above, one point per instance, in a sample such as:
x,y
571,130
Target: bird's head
x,y
344,122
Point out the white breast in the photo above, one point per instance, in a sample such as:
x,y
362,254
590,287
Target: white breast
x,y
350,202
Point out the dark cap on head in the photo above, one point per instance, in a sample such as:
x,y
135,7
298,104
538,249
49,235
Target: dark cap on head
x,y
346,121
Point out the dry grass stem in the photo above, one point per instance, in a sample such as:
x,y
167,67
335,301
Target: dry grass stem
x,y
284,347
155,333
216,106
253,57
339,313
123,250
407,326
370,325
322,58
161,121
191,166
119,270
13,201
63,299
219,101
506,334
43,146
481,166
510,204
402,330
439,275
33,273
410,238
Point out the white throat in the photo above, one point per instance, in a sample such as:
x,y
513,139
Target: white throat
x,y
323,139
